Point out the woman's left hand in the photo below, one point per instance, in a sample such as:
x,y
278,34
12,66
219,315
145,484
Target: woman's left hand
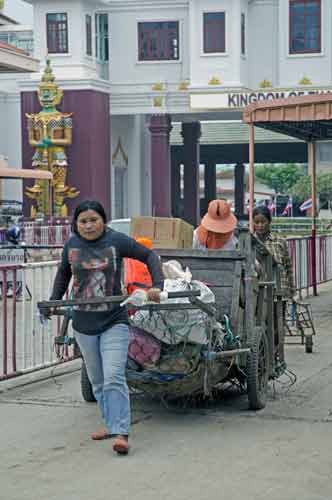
x,y
153,294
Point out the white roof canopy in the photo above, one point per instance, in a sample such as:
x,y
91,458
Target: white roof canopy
x,y
13,60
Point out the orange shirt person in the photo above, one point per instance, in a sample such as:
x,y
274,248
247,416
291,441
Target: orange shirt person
x,y
136,274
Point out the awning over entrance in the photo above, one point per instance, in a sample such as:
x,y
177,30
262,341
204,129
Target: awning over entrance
x,y
308,118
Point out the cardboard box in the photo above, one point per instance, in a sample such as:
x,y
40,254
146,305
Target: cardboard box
x,y
165,232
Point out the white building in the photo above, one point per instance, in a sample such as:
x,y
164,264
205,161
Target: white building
x,y
18,10
15,62
180,61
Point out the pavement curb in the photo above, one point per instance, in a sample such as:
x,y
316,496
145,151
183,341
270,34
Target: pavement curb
x,y
40,375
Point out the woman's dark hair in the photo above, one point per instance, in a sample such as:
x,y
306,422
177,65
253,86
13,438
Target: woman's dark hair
x,y
264,211
88,205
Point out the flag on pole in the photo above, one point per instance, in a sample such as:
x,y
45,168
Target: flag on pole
x,y
306,205
288,207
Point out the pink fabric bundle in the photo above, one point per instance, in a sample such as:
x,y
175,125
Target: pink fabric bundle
x,y
143,347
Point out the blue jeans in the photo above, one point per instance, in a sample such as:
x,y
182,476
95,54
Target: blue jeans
x,y
105,357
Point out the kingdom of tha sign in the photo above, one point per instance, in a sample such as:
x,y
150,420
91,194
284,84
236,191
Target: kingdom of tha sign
x,y
242,100
238,100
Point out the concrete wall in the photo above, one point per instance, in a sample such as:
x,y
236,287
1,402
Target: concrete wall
x,y
318,67
10,141
244,58
75,64
226,66
125,66
262,42
267,41
135,137
18,10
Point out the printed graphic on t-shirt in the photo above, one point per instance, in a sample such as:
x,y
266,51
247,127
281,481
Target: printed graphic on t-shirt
x,y
93,273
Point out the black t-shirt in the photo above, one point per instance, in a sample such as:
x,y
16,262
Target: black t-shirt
x,y
96,270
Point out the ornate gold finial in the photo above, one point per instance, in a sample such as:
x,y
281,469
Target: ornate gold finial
x,y
184,85
305,81
215,80
49,94
119,156
157,102
158,86
265,84
48,73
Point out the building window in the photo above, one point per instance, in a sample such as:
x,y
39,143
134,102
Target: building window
x,y
304,26
102,52
243,34
158,41
57,33
88,30
214,28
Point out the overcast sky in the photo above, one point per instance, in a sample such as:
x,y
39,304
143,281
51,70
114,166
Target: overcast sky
x,y
19,10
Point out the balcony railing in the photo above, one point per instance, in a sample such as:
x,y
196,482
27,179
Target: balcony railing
x,y
21,40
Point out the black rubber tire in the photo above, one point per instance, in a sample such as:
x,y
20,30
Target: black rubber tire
x,y
86,388
308,344
258,370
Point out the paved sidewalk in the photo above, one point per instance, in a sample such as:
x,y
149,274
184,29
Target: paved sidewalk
x,y
222,451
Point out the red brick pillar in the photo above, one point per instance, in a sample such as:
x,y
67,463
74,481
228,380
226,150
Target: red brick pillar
x,y
160,128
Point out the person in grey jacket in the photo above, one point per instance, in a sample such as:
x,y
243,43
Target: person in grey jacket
x,y
93,257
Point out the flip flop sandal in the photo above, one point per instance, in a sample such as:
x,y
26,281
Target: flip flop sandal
x,y
100,434
121,445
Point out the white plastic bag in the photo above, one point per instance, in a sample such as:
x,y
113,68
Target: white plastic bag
x,y
140,298
172,269
178,325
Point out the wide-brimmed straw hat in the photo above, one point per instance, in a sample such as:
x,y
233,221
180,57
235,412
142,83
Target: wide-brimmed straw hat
x,y
219,217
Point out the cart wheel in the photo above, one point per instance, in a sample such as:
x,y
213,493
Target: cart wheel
x,y
308,344
258,370
86,388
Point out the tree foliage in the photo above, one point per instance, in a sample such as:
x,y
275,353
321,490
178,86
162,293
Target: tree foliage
x,y
302,189
281,178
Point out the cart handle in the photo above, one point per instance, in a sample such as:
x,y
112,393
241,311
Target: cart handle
x,y
115,299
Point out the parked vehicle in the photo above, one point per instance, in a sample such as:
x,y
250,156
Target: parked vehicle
x,y
121,225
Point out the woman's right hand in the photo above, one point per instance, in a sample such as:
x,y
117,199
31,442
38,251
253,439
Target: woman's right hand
x,y
153,294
